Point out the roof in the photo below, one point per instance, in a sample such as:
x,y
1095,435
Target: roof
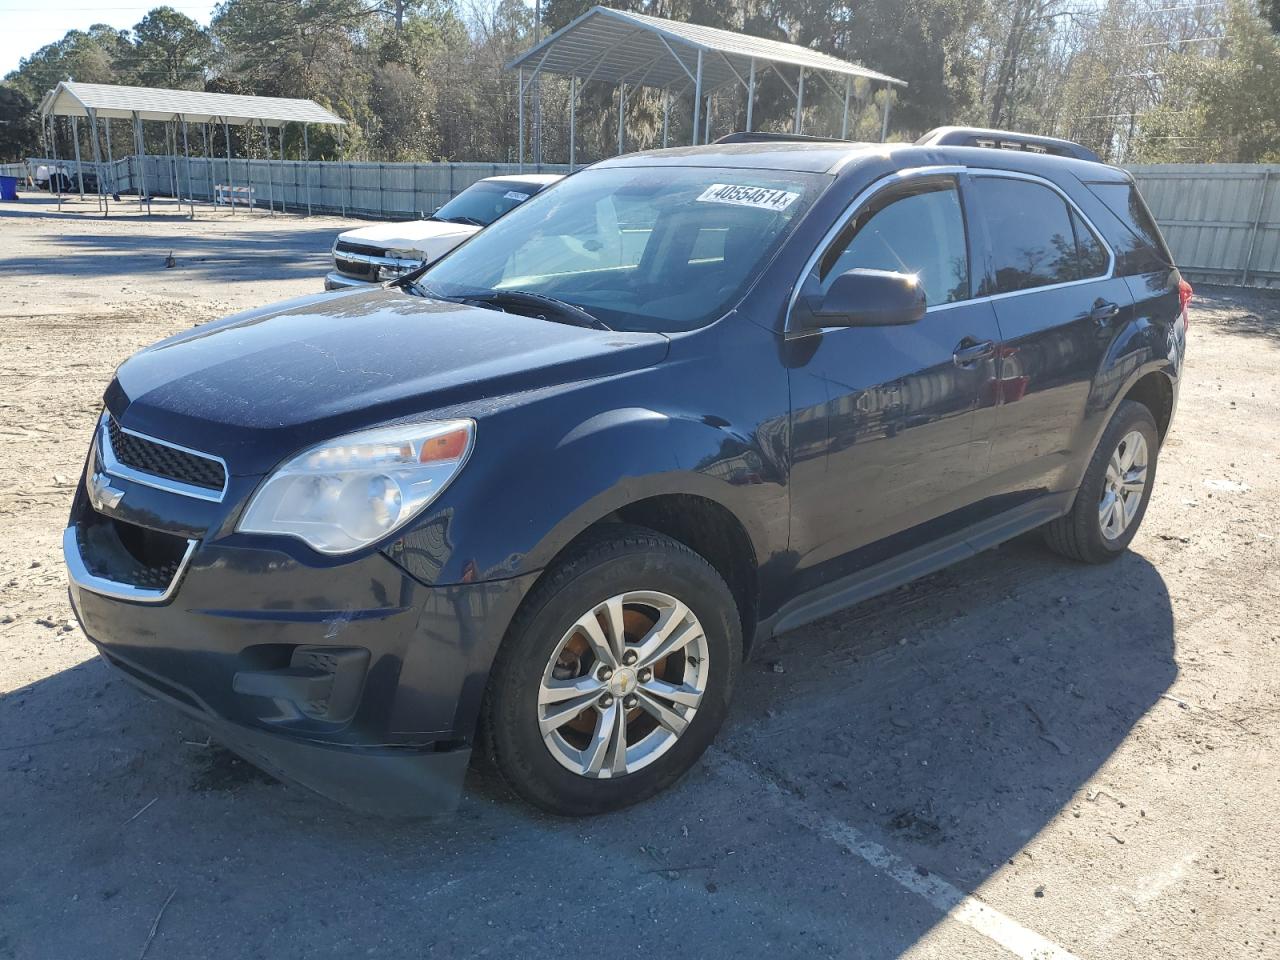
x,y
71,99
834,156
804,156
619,46
542,179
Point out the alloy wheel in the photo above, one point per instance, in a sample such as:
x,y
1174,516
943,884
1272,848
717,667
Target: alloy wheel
x,y
1124,485
623,684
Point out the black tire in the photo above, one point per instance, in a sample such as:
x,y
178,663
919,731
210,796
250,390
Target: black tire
x,y
1078,535
620,558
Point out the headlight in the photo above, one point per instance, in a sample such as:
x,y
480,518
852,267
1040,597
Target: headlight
x,y
352,491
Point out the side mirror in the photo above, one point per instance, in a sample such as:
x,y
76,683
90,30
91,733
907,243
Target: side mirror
x,y
868,298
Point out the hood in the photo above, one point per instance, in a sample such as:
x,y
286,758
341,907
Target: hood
x,y
431,238
257,387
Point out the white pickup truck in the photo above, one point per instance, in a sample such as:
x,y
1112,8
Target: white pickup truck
x,y
385,251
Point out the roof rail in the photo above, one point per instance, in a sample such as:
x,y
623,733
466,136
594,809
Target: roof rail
x,y
758,136
1005,140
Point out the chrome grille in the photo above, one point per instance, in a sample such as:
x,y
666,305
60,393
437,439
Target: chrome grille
x,y
164,461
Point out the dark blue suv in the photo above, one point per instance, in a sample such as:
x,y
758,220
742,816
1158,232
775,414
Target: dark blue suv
x,y
544,495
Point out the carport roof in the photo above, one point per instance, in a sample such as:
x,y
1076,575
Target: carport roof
x,y
109,101
619,46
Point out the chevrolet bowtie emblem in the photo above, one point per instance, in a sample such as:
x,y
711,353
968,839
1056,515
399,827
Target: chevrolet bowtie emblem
x,y
102,494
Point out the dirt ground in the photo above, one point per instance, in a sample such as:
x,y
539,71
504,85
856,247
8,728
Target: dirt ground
x,y
1016,757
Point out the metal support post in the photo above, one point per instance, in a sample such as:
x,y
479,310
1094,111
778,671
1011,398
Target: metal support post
x,y
844,120
306,149
697,99
75,141
799,122
283,193
231,180
186,159
97,156
271,189
573,122
111,163
1257,223
622,113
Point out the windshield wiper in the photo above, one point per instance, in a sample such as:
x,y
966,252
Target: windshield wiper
x,y
468,220
565,312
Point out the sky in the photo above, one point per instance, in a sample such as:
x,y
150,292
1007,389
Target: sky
x,y
27,25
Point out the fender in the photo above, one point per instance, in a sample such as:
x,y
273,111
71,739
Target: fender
x,y
595,468
522,499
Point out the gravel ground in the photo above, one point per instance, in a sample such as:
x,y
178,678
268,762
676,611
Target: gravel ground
x,y
1016,757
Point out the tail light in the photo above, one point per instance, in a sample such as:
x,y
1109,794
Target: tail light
x,y
1184,300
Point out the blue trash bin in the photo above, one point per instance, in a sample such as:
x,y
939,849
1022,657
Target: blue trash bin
x,y
8,188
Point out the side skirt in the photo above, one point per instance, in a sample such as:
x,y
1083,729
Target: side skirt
x,y
885,576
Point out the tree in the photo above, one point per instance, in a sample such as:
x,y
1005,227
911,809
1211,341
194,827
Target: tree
x,y
290,48
169,50
1220,108
91,56
19,126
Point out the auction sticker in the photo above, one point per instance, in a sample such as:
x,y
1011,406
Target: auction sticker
x,y
513,195
740,195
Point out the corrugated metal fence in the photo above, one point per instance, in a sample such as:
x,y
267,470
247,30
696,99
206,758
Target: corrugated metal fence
x,y
390,190
1222,220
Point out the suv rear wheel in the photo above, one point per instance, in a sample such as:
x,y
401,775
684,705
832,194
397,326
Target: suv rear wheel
x,y
615,676
1113,497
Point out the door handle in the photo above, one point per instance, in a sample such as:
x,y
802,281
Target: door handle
x,y
969,351
1104,311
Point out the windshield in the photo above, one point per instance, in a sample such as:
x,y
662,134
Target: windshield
x,y
659,249
484,202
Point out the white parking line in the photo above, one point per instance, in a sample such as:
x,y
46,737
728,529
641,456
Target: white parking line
x,y
959,906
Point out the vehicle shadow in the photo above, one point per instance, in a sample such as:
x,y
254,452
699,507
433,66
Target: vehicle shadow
x,y
949,721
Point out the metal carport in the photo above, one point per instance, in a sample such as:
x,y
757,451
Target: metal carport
x,y
637,50
100,101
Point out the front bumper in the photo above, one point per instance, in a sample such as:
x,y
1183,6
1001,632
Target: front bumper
x,y
351,678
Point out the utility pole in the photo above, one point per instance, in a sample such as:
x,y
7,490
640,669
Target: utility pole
x,y
537,88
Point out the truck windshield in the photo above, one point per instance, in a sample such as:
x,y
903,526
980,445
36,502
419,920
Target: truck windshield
x,y
660,249
484,202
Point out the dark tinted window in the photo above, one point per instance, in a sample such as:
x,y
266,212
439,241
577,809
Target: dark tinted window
x,y
1033,243
1140,249
1091,253
485,201
921,233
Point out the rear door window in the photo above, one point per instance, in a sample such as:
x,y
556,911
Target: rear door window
x,y
1092,256
1037,240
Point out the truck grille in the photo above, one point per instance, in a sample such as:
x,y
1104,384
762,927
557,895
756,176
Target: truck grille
x,y
161,460
358,266
344,246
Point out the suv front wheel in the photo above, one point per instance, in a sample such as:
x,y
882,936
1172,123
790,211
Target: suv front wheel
x,y
616,674
1113,496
